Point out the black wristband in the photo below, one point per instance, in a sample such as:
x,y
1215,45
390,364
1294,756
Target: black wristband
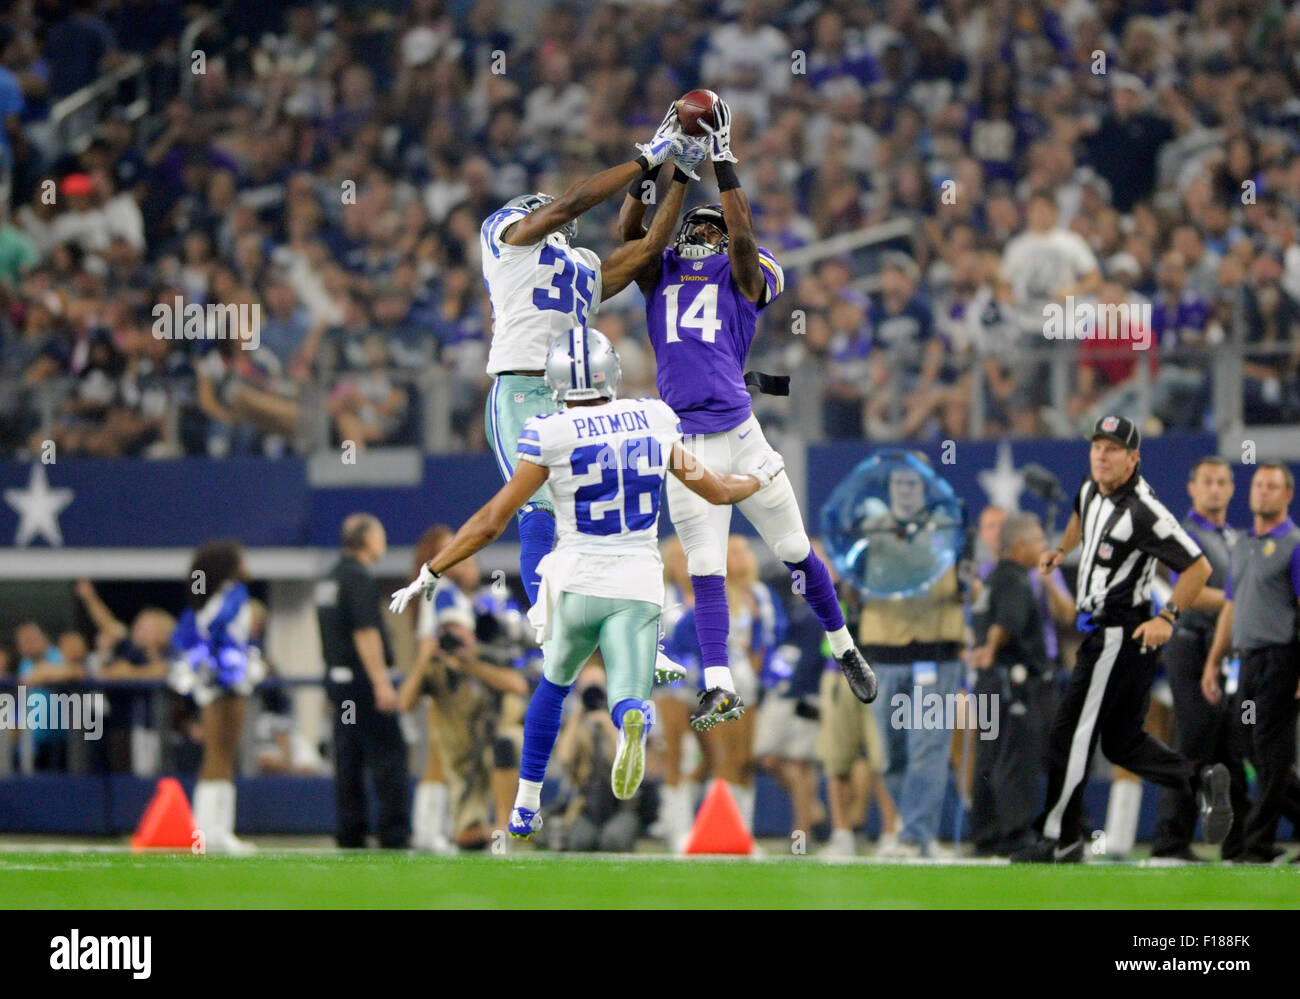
x,y
725,171
637,190
680,175
643,163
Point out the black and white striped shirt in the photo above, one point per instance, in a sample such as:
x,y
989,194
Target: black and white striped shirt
x,y
1123,536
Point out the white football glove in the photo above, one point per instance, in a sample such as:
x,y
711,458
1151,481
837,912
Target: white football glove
x,y
662,148
670,120
669,140
766,468
422,585
720,137
696,151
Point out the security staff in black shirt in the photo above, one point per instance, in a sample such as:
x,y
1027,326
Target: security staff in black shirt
x,y
1016,673
1203,732
1121,530
367,736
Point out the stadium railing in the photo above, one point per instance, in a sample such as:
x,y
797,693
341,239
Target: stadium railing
x,y
73,119
149,705
439,397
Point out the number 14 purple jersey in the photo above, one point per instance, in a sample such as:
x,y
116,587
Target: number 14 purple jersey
x,y
701,328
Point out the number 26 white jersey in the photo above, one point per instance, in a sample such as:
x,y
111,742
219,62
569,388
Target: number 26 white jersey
x,y
538,292
607,466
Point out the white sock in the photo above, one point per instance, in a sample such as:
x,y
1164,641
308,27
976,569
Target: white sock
x,y
842,838
675,803
439,813
227,806
718,676
207,806
529,795
1122,812
841,641
420,833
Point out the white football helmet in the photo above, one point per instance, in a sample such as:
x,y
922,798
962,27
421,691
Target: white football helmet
x,y
582,364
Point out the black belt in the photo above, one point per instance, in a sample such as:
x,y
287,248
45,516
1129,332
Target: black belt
x,y
523,374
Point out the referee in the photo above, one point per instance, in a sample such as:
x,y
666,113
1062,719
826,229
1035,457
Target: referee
x,y
1260,621
1122,530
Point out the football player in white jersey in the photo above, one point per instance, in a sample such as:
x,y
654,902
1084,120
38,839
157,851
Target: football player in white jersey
x,y
602,587
541,285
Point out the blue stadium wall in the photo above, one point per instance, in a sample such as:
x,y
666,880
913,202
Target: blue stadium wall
x,y
122,504
129,503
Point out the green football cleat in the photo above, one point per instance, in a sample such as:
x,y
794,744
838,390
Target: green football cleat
x,y
629,757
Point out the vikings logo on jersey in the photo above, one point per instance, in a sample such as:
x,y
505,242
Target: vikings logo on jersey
x,y
701,328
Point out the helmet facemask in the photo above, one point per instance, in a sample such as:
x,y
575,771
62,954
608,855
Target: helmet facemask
x,y
691,243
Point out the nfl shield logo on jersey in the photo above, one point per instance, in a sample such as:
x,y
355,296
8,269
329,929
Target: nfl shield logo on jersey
x,y
1104,550
698,265
519,398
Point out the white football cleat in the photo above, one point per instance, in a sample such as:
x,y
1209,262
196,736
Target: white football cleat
x,y
667,671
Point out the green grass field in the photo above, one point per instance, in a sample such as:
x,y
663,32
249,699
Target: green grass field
x,y
120,880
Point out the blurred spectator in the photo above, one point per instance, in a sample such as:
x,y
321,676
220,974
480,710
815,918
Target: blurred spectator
x,y
1016,673
140,652
367,406
785,740
41,666
1124,146
247,403
84,42
359,159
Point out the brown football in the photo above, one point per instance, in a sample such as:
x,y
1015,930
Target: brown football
x,y
695,107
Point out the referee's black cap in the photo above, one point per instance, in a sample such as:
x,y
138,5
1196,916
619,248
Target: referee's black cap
x,y
1119,429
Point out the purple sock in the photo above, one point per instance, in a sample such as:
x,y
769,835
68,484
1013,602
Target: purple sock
x,y
819,591
541,726
712,619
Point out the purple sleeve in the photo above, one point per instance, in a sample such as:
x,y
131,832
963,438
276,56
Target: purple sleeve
x,y
1227,588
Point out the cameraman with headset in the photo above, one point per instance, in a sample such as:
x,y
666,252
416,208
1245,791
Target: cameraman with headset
x,y
455,669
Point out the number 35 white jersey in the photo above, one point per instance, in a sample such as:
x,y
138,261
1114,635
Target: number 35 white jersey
x,y
607,465
537,291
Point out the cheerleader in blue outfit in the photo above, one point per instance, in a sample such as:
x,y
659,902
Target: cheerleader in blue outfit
x,y
216,664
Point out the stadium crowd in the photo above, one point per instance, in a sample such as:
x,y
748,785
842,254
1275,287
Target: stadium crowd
x,y
332,163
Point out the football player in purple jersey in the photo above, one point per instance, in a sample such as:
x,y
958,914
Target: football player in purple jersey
x,y
703,296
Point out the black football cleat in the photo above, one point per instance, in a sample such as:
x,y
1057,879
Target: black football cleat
x,y
1216,806
1050,851
862,681
716,706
